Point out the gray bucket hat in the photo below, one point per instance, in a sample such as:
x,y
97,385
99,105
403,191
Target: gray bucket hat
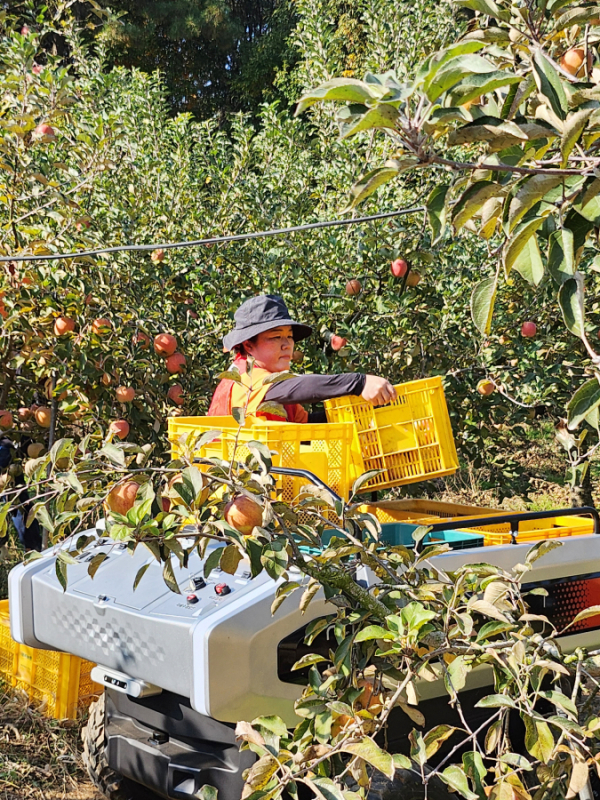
x,y
259,314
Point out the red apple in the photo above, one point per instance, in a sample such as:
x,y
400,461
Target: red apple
x,y
337,342
399,268
25,31
6,420
175,394
165,344
124,394
44,130
63,325
485,387
141,339
528,329
175,363
158,255
353,287
36,69
82,223
120,427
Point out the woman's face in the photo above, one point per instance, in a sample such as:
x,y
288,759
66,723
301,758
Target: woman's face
x,y
272,350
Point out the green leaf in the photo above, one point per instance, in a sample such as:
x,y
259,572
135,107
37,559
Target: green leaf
x,y
472,200
325,789
373,632
348,90
212,562
60,569
530,192
487,7
576,16
401,762
272,723
383,115
274,559
455,676
206,792
538,739
561,700
114,453
482,304
573,128
540,549
549,84
570,299
169,576
230,558
139,575
516,760
370,182
239,415
493,629
262,454
592,611
473,86
261,772
588,202
365,478
308,661
436,737
561,256
498,133
457,780
528,262
270,407
436,211
96,562
415,615
453,71
518,240
372,754
496,701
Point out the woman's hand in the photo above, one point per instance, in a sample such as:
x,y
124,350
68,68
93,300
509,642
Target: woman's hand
x,y
378,391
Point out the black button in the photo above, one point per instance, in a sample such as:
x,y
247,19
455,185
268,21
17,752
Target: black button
x,y
198,582
191,598
222,588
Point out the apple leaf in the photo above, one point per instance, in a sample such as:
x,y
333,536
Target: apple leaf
x,y
482,304
529,262
436,211
349,90
549,84
570,299
561,256
583,402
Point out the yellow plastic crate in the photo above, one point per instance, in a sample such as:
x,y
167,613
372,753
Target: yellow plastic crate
x,y
321,449
409,439
533,530
415,509
59,681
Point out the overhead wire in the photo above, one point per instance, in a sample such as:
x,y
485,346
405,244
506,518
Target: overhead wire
x,y
239,237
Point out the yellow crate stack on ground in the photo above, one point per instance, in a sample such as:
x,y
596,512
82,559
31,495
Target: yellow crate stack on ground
x,y
410,439
60,682
321,449
532,530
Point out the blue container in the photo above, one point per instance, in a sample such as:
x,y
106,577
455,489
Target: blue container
x,y
401,533
395,533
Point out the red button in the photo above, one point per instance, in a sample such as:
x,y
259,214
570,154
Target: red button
x,y
222,588
191,598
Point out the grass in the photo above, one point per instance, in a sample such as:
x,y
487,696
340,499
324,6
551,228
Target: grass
x,y
39,757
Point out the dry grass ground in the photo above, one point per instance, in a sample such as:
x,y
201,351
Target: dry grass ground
x,y
39,757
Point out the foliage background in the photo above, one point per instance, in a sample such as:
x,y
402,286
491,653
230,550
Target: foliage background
x,y
126,162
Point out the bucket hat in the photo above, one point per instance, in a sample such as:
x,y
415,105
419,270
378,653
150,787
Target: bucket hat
x,y
259,314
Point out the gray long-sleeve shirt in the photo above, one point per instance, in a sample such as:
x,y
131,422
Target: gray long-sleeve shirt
x,y
316,388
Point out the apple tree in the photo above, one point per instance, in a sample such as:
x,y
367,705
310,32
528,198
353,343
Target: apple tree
x,y
507,118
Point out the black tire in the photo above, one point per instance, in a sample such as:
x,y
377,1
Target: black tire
x,y
110,783
407,786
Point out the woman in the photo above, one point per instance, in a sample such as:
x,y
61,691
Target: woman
x,y
264,331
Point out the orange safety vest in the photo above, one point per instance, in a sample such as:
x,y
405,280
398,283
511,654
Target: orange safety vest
x,y
230,394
